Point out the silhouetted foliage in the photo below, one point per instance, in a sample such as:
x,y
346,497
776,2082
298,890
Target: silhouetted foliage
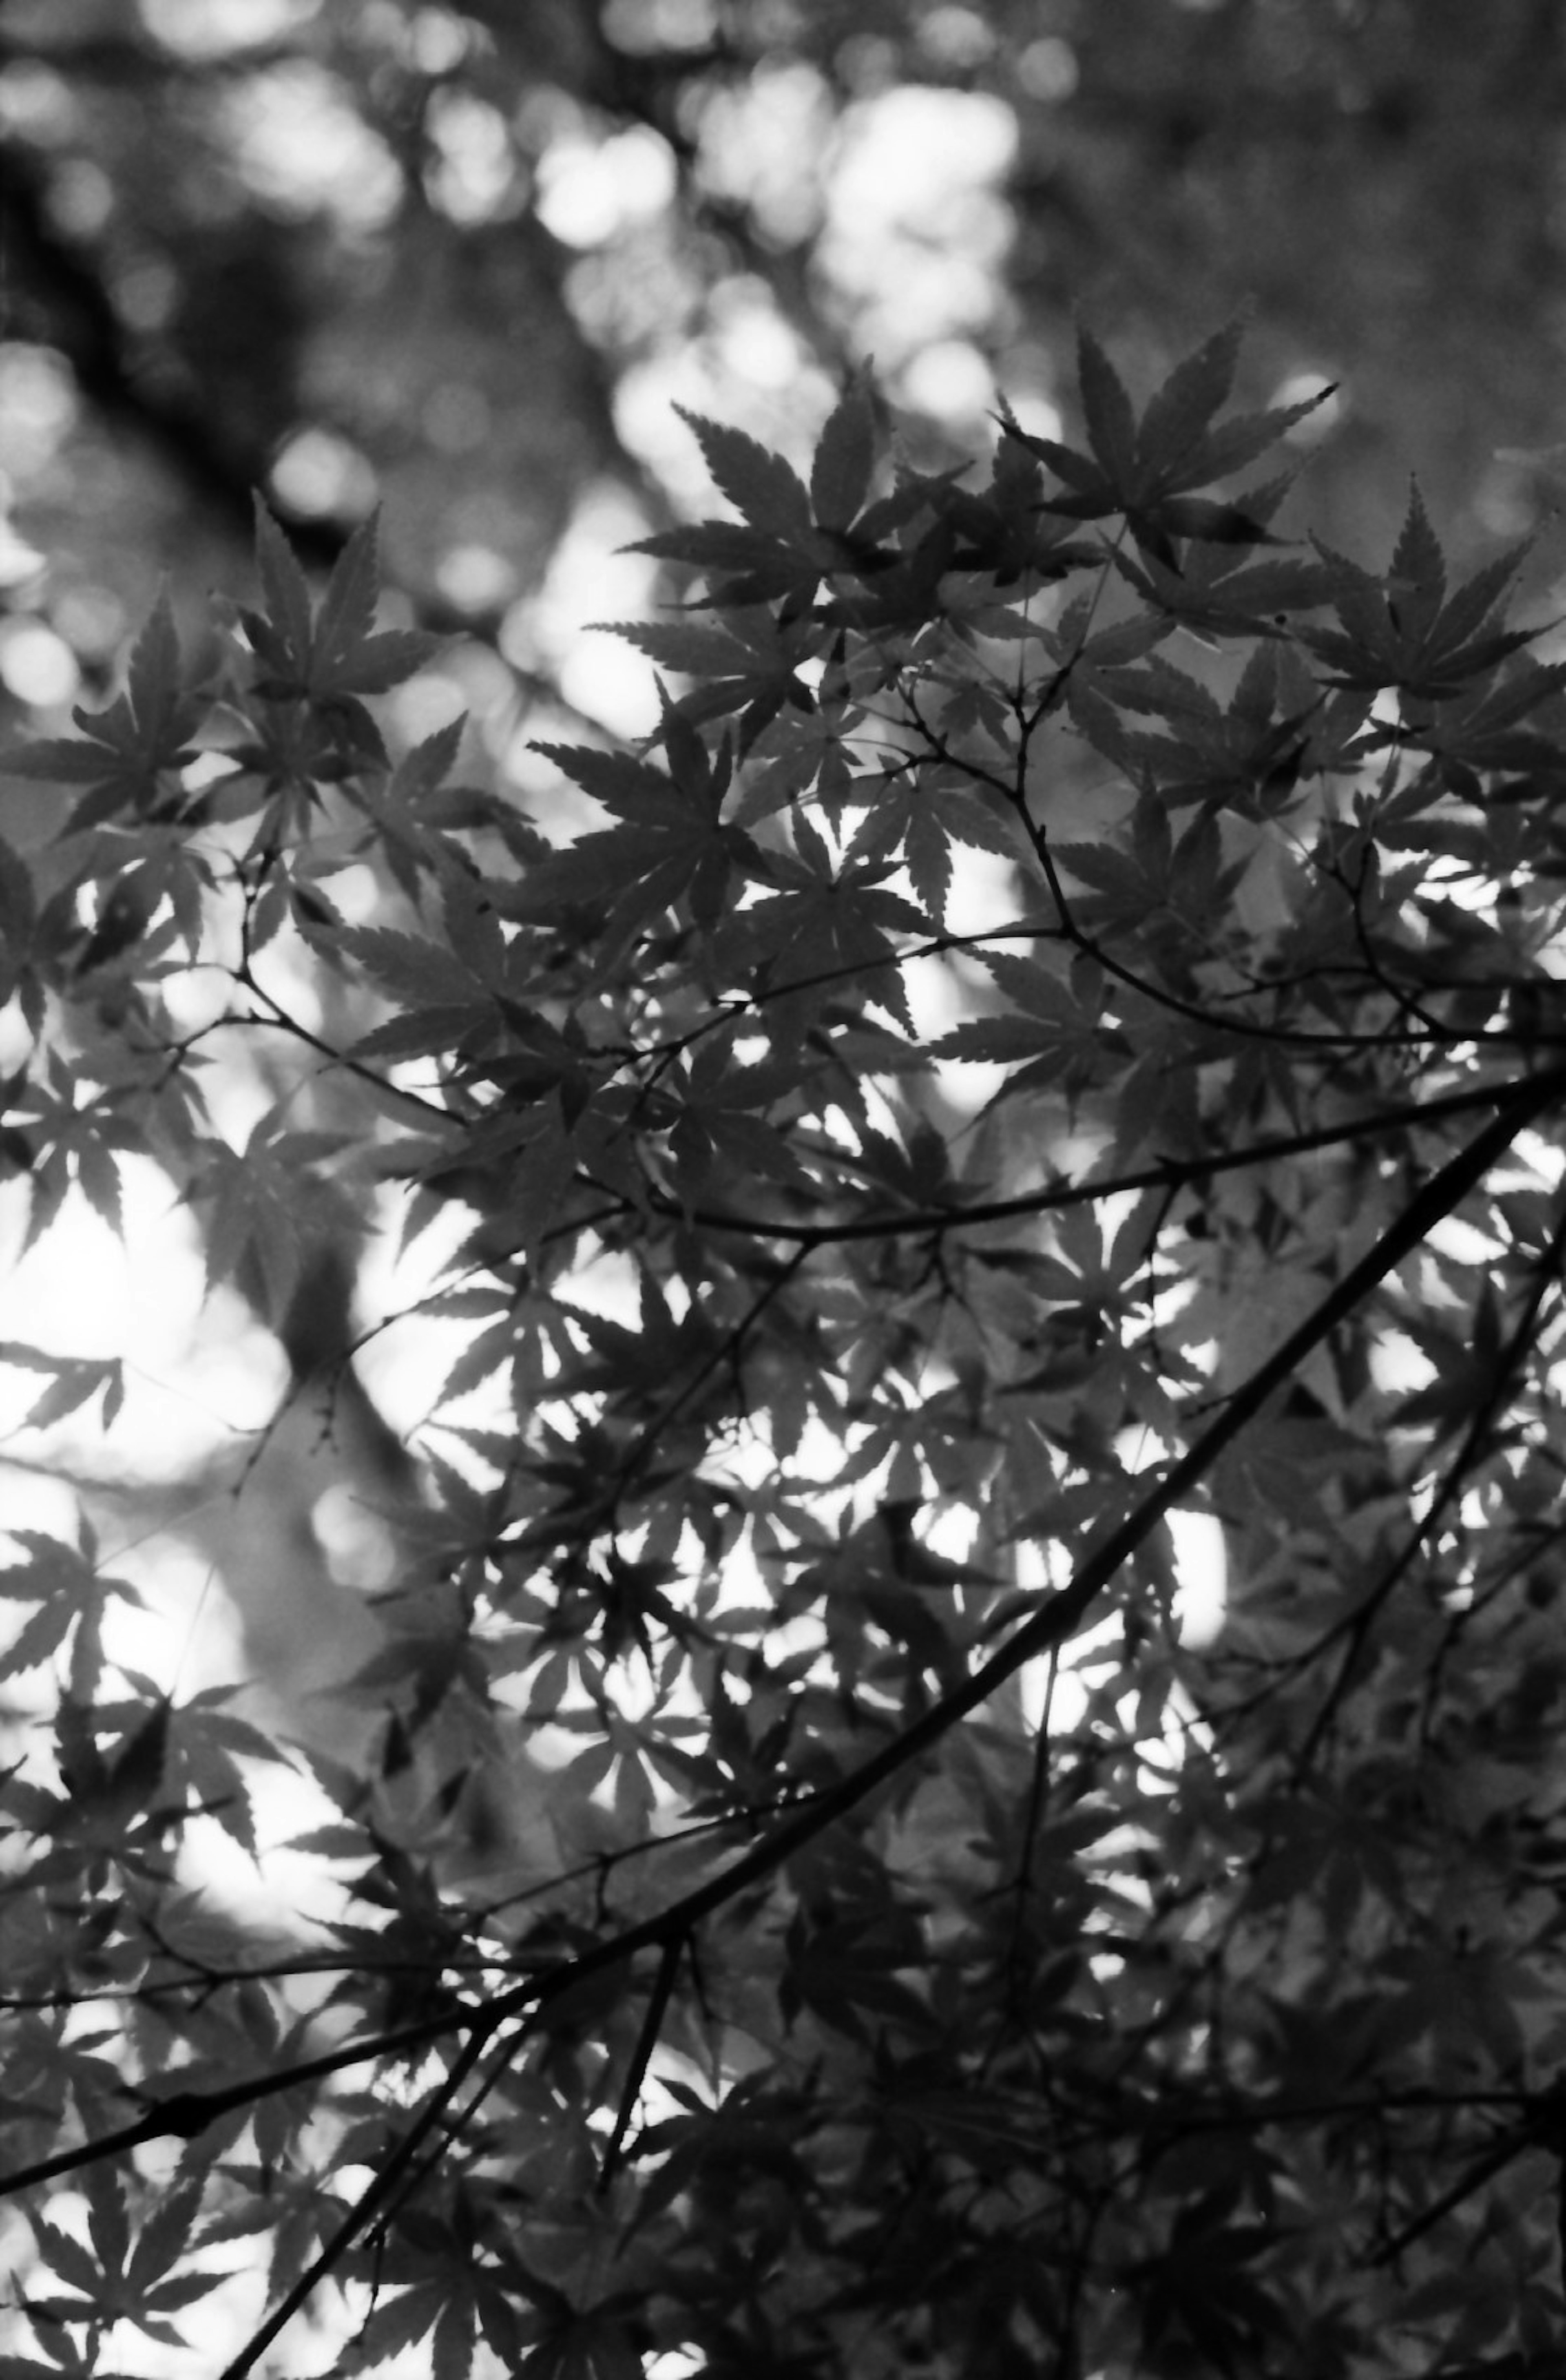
x,y
1056,1031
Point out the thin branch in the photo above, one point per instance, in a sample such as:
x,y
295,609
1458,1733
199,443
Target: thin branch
x,y
183,2115
1483,2169
1176,1172
646,2042
386,2178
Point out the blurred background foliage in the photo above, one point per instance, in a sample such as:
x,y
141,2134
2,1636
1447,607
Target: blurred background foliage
x,y
463,263
460,261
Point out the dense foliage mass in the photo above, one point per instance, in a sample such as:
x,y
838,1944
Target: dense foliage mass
x,y
1056,1031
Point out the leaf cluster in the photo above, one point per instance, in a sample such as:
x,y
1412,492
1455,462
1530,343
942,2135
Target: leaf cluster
x,y
1053,1035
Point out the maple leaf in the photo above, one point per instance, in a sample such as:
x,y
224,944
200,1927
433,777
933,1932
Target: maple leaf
x,y
1479,732
206,1745
128,755
1080,658
408,812
265,1200
76,1380
792,535
1218,591
1405,631
418,971
76,1142
718,1128
824,922
670,844
1005,531
1241,758
751,668
917,1173
1145,471
69,1590
1469,1368
928,818
518,1161
633,1363
330,655
1045,1031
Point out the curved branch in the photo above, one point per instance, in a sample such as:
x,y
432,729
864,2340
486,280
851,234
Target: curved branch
x,y
188,2113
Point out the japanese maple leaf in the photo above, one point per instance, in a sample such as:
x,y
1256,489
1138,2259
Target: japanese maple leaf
x,y
1241,758
825,922
751,669
668,843
124,753
1145,470
1404,630
1218,591
1043,1029
928,819
333,654
790,536
1002,533
1492,727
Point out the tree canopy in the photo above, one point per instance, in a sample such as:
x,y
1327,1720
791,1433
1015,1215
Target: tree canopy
x,y
460,258
1053,1037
